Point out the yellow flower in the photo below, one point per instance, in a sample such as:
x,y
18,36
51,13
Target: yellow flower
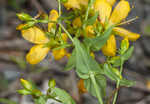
x,y
120,12
59,54
77,22
34,35
37,36
104,9
64,37
53,16
72,4
83,2
111,2
37,53
126,34
109,49
90,31
81,87
92,54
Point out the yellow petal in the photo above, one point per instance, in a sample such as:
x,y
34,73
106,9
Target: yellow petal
x,y
126,34
59,54
64,37
20,27
53,16
90,31
111,2
120,12
83,2
77,22
92,54
72,4
37,53
81,86
103,8
109,49
34,35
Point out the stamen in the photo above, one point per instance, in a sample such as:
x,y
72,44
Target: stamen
x,y
128,21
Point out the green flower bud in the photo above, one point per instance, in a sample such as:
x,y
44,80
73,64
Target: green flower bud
x,y
24,92
51,83
26,84
124,46
24,16
36,92
116,71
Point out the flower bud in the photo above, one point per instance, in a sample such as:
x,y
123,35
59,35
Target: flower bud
x,y
24,92
81,86
24,16
26,84
124,46
36,92
116,71
51,83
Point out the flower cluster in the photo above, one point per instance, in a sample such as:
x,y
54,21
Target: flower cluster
x,y
89,26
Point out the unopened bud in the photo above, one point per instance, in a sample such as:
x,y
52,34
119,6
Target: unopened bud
x,y
124,46
24,16
26,84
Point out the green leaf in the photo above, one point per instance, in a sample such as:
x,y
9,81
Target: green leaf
x,y
98,42
101,82
127,83
128,54
92,20
40,100
63,96
71,62
111,73
84,62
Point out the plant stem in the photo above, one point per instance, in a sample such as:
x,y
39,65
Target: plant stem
x,y
96,89
59,7
87,14
118,83
66,32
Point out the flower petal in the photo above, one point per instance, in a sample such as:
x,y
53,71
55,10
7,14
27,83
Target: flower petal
x,y
64,37
72,4
81,86
120,12
104,9
34,35
83,2
59,54
109,49
53,16
90,31
37,53
111,2
126,34
77,22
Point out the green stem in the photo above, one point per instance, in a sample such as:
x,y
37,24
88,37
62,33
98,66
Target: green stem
x,y
59,7
87,14
118,83
66,32
96,89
